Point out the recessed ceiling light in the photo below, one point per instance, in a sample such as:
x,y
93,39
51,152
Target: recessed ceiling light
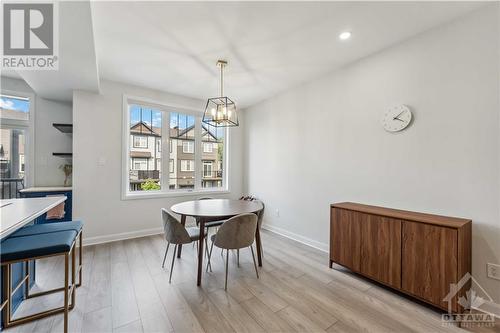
x,y
345,35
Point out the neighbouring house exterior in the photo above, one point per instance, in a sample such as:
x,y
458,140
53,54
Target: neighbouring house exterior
x,y
145,154
145,157
12,155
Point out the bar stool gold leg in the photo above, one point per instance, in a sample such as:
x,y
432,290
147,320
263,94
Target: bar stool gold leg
x,y
80,260
73,282
66,278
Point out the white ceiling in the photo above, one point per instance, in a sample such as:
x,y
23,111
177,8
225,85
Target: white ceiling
x,y
270,46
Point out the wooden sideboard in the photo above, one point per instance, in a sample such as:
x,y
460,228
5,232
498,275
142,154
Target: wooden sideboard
x,y
416,253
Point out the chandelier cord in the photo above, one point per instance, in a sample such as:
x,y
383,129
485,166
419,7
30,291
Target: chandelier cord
x,y
221,80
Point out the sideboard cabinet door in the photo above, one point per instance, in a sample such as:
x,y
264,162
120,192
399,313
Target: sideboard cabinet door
x,y
381,249
345,238
429,261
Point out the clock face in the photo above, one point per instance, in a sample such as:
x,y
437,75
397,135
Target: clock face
x,y
396,118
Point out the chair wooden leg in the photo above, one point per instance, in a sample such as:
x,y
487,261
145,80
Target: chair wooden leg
x,y
172,266
261,249
66,291
165,256
227,262
254,264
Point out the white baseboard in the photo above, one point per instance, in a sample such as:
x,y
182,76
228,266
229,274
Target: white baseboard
x,y
121,236
298,238
490,307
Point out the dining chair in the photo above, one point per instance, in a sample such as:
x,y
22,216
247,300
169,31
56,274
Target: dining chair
x,y
177,234
236,233
260,216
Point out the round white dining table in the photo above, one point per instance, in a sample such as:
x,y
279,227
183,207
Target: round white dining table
x,y
211,210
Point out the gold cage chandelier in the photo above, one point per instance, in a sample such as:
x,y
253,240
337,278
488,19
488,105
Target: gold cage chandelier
x,y
220,111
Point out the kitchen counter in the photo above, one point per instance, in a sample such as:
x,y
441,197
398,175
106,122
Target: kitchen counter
x,y
46,189
15,213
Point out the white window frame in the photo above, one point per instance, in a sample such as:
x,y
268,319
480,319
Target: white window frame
x,y
29,127
140,160
139,136
165,191
206,145
171,165
211,168
188,164
190,146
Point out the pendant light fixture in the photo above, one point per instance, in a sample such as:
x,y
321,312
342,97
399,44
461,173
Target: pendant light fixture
x,y
221,111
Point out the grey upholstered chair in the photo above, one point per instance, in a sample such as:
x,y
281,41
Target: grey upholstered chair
x,y
236,233
176,233
260,216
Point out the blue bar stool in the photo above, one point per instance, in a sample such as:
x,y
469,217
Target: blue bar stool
x,y
37,242
55,227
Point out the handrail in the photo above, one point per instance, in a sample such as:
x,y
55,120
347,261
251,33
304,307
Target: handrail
x,y
7,183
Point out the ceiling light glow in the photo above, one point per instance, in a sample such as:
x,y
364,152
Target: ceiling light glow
x,y
345,35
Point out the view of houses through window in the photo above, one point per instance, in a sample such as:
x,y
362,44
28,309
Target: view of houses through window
x,y
14,116
145,141
194,161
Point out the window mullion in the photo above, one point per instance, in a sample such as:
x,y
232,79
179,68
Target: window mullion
x,y
197,153
165,152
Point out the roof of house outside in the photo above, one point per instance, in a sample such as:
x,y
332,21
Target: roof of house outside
x,y
142,128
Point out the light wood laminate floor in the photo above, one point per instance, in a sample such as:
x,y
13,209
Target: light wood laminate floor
x,y
126,290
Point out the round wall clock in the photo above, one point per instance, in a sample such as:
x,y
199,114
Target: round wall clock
x,y
396,118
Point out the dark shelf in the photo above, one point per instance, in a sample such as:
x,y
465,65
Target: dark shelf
x,y
65,128
63,155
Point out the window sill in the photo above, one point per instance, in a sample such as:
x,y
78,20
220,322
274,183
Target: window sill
x,y
171,194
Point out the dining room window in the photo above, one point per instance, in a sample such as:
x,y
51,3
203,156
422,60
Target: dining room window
x,y
191,144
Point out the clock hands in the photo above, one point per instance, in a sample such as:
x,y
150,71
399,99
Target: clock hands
x,y
397,117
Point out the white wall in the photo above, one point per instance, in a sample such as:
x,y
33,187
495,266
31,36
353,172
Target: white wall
x,y
322,142
47,138
97,120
